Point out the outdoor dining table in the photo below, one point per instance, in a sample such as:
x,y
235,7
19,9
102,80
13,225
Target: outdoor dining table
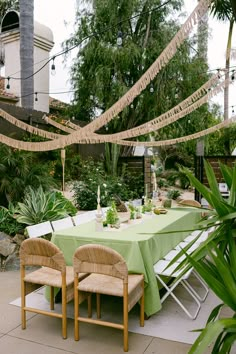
x,y
141,244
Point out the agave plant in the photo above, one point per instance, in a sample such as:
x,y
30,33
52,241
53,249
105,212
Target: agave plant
x,y
39,206
218,269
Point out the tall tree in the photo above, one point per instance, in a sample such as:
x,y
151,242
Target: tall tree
x,y
119,50
27,52
202,48
224,10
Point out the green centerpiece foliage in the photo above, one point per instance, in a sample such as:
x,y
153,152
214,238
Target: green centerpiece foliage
x,y
215,259
148,206
111,215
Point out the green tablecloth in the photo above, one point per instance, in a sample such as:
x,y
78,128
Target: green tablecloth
x,y
141,245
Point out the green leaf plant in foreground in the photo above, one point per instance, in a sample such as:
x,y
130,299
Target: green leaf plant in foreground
x,y
215,259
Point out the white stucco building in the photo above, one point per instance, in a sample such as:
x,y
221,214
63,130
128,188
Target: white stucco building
x,y
43,43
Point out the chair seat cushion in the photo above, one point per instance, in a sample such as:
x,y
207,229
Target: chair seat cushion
x,y
105,284
51,277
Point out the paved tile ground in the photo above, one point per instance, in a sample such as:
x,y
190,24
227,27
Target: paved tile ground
x,y
43,334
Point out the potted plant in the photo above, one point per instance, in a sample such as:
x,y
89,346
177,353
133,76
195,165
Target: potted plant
x,y
147,207
215,260
111,215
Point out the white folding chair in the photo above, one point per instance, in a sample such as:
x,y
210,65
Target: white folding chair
x,y
161,270
84,217
62,224
38,230
202,236
172,254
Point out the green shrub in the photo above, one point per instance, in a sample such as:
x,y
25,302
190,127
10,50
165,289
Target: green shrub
x,y
8,223
162,183
93,175
19,169
173,194
39,206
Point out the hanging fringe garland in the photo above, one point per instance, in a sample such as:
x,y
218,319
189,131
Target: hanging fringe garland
x,y
172,141
180,107
154,69
88,132
182,139
95,138
150,127
58,125
146,78
179,111
27,127
28,146
142,129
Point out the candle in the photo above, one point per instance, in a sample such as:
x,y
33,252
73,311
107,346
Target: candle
x,y
99,192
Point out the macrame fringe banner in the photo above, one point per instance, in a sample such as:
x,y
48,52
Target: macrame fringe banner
x,y
87,135
183,139
154,69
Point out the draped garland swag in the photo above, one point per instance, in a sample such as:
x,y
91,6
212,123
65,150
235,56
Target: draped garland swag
x,y
86,135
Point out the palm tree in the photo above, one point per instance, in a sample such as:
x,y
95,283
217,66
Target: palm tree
x,y
233,4
223,10
27,52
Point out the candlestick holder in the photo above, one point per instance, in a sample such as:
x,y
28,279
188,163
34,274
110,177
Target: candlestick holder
x,y
99,214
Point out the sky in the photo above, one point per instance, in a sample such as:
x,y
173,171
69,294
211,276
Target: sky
x,y
60,15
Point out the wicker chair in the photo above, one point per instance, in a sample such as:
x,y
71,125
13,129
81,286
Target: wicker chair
x,y
189,202
108,275
54,273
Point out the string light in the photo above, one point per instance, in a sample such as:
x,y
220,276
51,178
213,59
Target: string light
x,y
151,88
90,36
8,83
119,39
53,67
232,77
91,96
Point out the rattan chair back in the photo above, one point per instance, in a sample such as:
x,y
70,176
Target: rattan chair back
x,y
40,252
100,259
190,202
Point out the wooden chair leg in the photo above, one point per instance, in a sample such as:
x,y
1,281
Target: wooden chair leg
x,y
90,305
64,314
23,312
76,308
98,305
125,320
142,308
51,298
23,290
